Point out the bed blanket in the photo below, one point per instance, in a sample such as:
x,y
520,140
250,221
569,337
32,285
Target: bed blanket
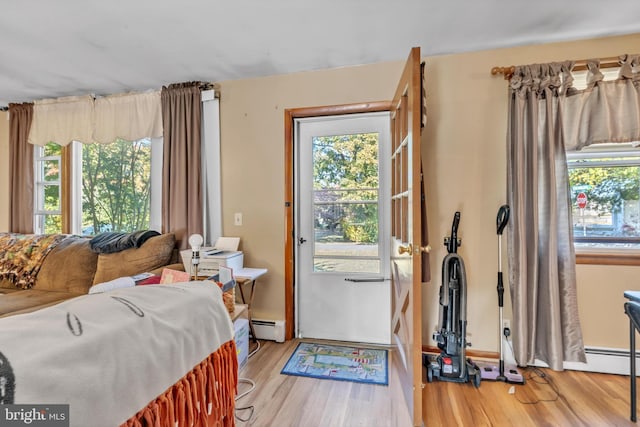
x,y
21,256
108,355
111,242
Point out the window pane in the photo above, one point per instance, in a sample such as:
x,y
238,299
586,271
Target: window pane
x,y
48,224
51,170
346,265
51,200
116,186
345,197
612,208
52,149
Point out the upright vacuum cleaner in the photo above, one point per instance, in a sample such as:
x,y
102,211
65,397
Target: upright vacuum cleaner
x,y
451,364
488,371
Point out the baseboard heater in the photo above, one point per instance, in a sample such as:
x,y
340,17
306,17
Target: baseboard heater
x,y
604,360
272,330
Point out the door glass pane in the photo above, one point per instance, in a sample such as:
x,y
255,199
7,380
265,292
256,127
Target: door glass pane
x,y
345,203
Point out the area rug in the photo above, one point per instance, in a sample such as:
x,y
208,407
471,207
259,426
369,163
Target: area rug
x,y
336,362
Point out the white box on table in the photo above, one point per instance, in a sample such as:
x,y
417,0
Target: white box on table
x,y
210,264
241,328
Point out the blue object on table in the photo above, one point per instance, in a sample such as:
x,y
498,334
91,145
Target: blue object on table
x,y
632,309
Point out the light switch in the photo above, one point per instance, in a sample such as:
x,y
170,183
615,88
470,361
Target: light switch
x,y
237,218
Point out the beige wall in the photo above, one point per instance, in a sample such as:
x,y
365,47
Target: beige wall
x,y
252,127
464,158
4,171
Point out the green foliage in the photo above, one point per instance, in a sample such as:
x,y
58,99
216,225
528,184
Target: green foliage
x,y
346,171
116,186
606,187
52,224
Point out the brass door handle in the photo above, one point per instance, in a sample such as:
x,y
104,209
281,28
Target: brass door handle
x,y
425,249
405,249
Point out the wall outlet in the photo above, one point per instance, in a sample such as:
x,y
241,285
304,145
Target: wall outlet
x,y
237,218
506,323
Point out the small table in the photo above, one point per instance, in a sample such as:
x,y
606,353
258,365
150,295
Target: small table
x,y
248,276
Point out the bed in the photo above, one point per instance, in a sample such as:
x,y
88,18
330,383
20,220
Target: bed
x,y
156,355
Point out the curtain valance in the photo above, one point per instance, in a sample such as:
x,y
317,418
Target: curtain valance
x,y
62,120
102,120
606,111
128,116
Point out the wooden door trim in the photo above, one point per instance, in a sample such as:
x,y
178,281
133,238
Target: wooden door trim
x,y
289,199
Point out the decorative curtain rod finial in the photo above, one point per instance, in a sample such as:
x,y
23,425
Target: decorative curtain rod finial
x,y
506,71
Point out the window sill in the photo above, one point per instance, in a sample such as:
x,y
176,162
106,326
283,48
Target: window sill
x,y
608,258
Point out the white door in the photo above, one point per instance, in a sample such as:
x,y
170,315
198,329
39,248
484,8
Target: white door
x,y
343,227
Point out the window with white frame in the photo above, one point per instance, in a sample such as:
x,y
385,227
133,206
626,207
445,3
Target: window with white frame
x,y
111,186
605,195
48,194
118,186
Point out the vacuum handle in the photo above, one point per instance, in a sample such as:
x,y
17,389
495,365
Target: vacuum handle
x,y
452,242
502,219
454,226
500,290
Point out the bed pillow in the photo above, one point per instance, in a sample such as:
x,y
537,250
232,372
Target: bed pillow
x,y
154,253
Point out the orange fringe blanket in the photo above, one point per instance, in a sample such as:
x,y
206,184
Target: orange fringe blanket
x,y
204,397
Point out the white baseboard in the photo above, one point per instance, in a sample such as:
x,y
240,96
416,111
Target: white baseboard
x,y
272,330
601,359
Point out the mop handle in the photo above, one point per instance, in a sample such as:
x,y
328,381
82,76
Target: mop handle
x,y
501,222
502,219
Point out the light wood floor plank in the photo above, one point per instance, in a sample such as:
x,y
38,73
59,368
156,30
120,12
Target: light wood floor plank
x,y
283,400
584,399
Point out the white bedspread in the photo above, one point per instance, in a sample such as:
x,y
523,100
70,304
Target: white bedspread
x,y
108,355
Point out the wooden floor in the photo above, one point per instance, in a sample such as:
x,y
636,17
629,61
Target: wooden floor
x,y
567,398
284,400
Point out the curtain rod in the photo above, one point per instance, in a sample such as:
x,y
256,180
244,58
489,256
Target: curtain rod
x,y
580,65
201,86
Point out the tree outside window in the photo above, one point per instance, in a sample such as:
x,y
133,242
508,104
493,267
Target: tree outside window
x,y
115,181
611,182
116,186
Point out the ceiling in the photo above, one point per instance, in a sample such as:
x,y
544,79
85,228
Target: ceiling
x,y
70,47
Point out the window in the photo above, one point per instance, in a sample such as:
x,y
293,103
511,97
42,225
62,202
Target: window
x,y
345,203
47,177
93,188
607,179
110,187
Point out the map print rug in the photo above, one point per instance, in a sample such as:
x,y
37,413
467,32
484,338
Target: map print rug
x,y
337,362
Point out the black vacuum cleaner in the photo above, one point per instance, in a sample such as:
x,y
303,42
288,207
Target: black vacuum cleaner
x,y
489,371
452,364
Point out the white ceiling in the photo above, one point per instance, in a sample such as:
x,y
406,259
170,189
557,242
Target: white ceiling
x,y
70,47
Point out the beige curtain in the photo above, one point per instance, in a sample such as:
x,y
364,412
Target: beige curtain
x,y
20,169
62,120
130,116
541,255
181,179
607,111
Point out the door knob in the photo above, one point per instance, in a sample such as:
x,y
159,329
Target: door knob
x,y
405,249
425,249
